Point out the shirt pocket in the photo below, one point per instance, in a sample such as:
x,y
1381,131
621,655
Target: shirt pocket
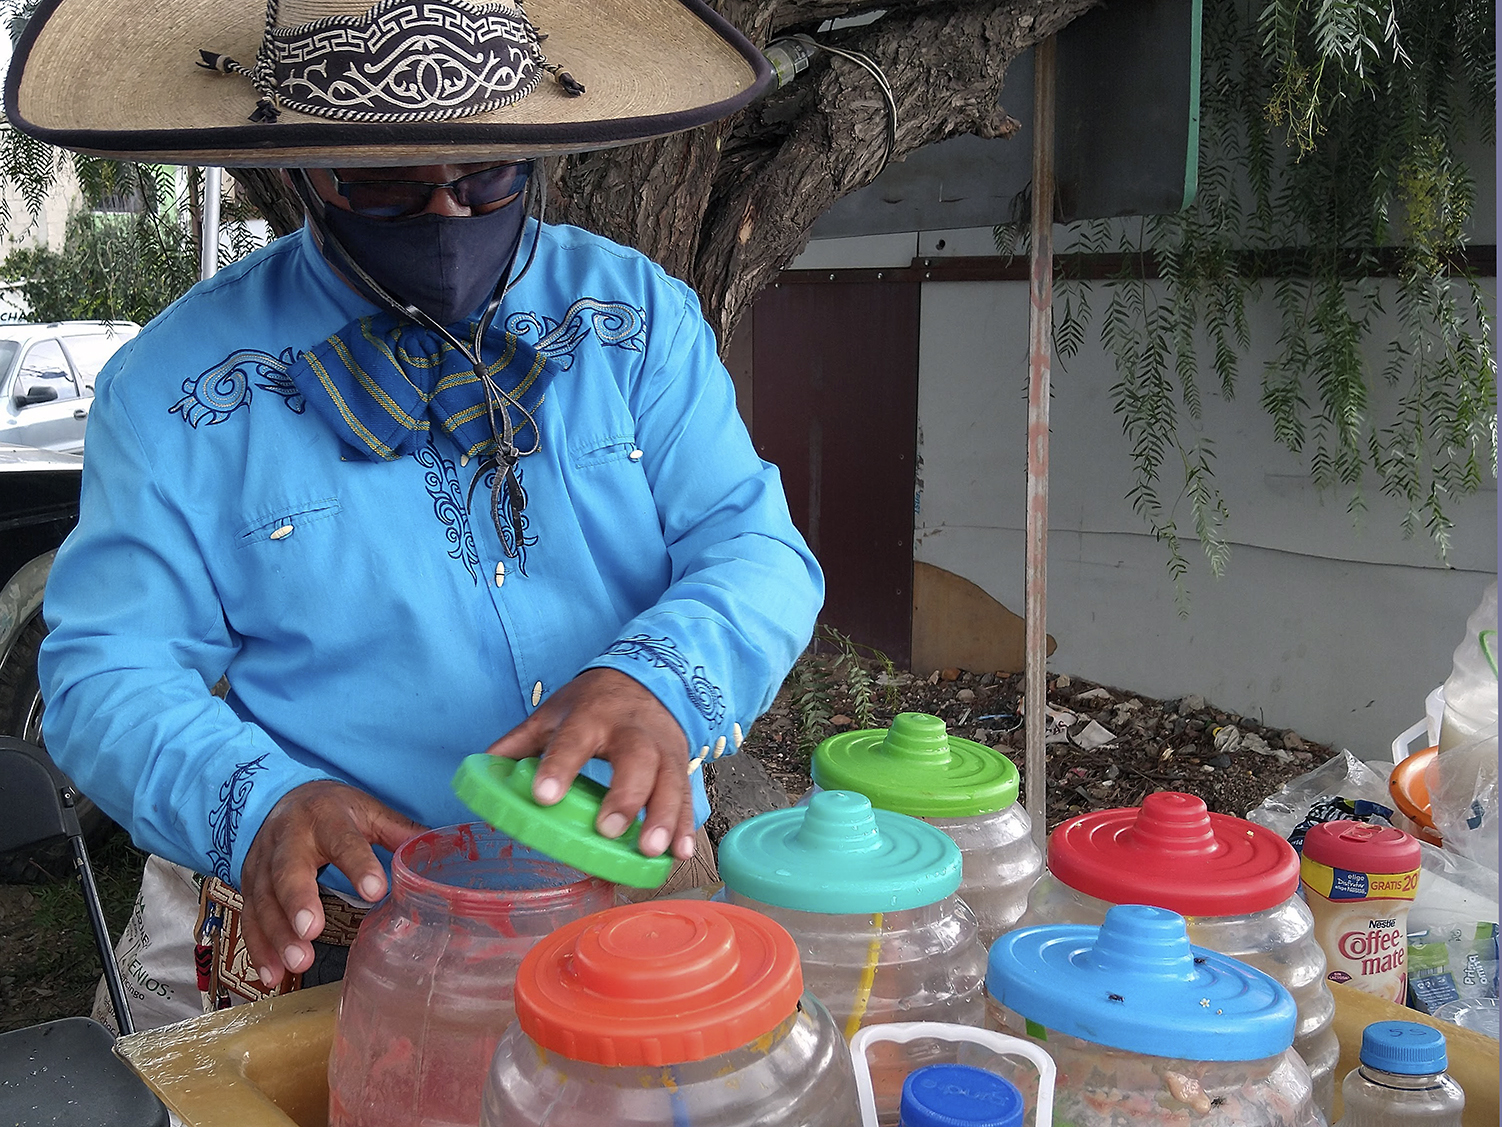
x,y
604,450
284,523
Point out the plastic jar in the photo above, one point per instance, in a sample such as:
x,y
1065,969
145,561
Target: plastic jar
x,y
679,1012
964,788
869,897
1236,884
1359,881
427,989
1401,1081
1147,1031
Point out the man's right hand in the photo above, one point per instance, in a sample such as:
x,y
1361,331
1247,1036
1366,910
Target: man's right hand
x,y
316,824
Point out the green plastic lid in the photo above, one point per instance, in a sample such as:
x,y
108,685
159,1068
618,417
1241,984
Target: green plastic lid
x,y
837,855
500,791
917,768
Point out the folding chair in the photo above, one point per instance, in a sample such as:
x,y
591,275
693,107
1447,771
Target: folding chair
x,y
64,1072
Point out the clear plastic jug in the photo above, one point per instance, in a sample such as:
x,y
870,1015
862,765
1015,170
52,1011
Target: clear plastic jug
x,y
869,897
956,1036
679,1012
1147,1031
1236,884
428,986
964,788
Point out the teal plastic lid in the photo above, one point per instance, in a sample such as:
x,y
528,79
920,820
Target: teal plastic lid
x,y
500,791
1135,983
837,855
916,767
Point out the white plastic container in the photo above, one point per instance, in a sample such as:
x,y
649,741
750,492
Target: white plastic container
x,y
1401,1081
906,1032
1235,883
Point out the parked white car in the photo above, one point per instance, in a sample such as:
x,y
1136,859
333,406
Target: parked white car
x,y
47,377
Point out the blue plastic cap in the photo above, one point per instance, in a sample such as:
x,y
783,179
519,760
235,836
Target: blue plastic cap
x,y
1135,983
839,856
956,1095
1404,1047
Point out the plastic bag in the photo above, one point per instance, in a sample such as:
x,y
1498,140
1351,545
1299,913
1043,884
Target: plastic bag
x,y
1342,788
1452,932
1463,798
1471,690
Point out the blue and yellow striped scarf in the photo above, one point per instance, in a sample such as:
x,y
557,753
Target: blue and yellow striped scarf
x,y
382,382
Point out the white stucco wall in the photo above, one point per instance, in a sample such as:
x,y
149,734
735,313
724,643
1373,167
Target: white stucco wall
x,y
1334,629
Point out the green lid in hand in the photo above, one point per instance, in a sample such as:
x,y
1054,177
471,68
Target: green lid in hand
x,y
500,791
916,767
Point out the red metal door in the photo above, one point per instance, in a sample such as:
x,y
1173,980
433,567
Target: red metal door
x,y
835,406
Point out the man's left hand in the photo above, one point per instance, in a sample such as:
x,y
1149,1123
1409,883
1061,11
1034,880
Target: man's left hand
x,y
603,714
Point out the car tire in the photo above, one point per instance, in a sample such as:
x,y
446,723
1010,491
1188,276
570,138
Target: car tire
x,y
21,716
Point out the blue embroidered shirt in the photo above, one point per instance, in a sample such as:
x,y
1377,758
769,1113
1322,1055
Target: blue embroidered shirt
x,y
369,624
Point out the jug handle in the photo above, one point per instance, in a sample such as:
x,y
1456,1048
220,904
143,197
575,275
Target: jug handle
x,y
901,1032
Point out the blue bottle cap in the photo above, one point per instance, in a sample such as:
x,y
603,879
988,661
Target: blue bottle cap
x,y
1404,1047
957,1095
1135,983
837,855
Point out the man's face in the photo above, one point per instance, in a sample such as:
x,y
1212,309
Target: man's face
x,y
400,191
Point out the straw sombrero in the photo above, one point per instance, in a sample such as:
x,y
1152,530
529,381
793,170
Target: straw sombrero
x,y
309,83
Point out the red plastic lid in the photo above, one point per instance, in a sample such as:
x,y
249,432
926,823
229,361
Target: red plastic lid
x,y
1362,848
658,983
1171,852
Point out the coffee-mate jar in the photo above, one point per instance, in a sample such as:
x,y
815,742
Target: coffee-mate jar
x,y
1359,880
870,898
427,989
1236,884
1147,1030
964,788
675,1012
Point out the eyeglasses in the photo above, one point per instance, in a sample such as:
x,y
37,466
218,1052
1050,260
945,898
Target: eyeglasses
x,y
392,199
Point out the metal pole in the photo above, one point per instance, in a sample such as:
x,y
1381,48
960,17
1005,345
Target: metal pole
x,y
1040,331
208,260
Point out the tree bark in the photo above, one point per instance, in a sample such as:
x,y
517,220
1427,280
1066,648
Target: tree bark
x,y
726,206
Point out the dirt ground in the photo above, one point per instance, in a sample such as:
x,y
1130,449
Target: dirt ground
x,y
48,967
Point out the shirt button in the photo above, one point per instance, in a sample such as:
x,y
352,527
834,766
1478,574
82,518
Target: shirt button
x,y
282,533
635,455
536,694
500,573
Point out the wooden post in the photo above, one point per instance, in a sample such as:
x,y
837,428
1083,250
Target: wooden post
x,y
1040,332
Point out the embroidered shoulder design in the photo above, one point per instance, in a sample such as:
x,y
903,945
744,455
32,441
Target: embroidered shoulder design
x,y
663,653
616,324
443,487
224,819
214,395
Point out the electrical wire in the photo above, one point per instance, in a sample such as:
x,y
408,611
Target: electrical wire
x,y
871,67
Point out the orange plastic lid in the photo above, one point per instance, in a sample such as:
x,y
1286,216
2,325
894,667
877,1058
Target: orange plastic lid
x,y
659,983
1410,790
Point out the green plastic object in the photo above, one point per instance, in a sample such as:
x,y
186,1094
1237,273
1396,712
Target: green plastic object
x,y
839,856
916,767
500,791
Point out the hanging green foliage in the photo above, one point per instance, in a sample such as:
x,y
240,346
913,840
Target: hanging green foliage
x,y
1331,180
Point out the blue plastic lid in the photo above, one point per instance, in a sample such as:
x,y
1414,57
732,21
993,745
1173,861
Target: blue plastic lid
x,y
837,855
1404,1047
956,1095
1135,983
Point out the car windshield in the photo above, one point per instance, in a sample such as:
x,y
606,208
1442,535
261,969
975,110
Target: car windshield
x,y
89,353
7,355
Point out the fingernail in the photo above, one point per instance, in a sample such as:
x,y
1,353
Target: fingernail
x,y
686,846
302,923
613,825
653,842
292,957
547,791
371,888
268,979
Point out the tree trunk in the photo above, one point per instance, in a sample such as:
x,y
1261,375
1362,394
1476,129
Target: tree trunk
x,y
727,206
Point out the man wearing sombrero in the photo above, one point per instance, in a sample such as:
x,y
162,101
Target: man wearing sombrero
x,y
426,477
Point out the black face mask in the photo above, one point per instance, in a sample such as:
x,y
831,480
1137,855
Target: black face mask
x,y
445,265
